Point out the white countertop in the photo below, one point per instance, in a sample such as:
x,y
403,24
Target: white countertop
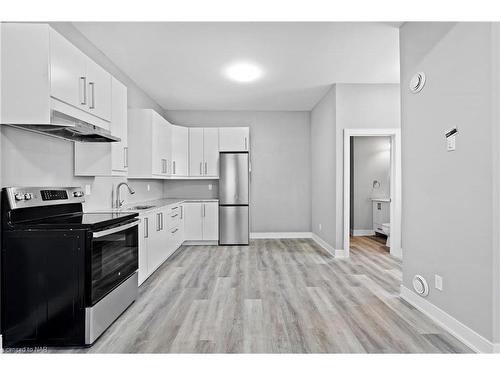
x,y
155,203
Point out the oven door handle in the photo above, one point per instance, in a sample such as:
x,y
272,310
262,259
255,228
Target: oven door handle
x,y
119,228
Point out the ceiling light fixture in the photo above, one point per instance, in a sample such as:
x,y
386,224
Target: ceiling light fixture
x,y
243,72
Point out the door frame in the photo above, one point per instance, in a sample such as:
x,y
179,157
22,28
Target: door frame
x,y
395,209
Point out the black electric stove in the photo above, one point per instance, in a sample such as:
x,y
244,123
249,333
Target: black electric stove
x,y
66,274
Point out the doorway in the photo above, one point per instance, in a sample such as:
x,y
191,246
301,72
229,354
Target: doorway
x,y
379,206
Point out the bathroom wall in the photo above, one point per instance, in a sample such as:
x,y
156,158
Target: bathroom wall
x,y
371,161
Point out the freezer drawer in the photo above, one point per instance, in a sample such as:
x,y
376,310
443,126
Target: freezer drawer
x,y
233,225
233,181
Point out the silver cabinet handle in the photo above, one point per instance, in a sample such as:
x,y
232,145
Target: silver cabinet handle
x,y
175,230
182,211
158,228
172,216
92,101
83,90
125,157
204,206
205,167
161,215
201,163
146,227
246,143
173,163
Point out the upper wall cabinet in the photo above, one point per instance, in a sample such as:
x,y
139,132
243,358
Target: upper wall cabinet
x,y
107,159
204,152
180,151
234,139
149,144
42,72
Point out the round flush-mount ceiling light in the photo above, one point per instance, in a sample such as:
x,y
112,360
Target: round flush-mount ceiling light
x,y
417,82
243,72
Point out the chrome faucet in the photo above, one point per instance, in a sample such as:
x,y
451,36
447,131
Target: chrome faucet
x,y
119,202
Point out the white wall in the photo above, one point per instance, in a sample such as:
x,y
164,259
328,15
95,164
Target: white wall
x,y
448,197
29,159
346,106
280,156
372,161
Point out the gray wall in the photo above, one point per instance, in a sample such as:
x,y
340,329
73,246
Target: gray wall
x,y
354,106
323,185
447,196
32,159
371,161
280,186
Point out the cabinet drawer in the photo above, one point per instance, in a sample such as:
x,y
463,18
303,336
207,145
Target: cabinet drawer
x,y
173,216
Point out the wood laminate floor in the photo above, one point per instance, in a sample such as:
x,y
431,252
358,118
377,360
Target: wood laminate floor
x,y
275,296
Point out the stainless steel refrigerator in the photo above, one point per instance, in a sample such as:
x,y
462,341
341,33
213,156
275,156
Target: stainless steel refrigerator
x,y
233,198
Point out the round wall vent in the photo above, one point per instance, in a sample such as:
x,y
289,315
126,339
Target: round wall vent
x,y
420,285
417,82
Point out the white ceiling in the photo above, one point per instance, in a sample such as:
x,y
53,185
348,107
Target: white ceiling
x,y
180,65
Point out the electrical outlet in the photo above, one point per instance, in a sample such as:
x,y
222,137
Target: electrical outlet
x,y
88,190
438,282
320,227
209,186
149,187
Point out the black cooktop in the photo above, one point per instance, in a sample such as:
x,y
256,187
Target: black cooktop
x,y
80,220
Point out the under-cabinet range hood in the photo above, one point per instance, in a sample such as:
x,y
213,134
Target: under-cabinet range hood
x,y
69,128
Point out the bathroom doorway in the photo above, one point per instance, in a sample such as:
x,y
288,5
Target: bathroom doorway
x,y
372,188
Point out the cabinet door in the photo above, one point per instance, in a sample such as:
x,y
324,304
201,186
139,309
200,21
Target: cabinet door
x,y
145,227
167,146
159,131
98,91
211,152
157,249
234,139
180,144
119,150
196,167
211,221
193,225
68,81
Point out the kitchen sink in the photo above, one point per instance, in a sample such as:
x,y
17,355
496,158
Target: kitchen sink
x,y
140,207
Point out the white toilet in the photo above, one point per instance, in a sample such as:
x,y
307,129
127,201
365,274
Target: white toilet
x,y
386,227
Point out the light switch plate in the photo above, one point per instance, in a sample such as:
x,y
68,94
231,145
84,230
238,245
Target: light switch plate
x,y
209,186
149,187
88,189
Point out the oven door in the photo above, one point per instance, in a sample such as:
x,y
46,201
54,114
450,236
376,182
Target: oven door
x,y
113,258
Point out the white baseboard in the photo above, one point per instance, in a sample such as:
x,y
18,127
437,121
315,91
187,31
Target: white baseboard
x,y
337,253
463,333
363,232
266,235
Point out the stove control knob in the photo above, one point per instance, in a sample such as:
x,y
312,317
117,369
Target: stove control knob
x,y
78,194
28,196
19,196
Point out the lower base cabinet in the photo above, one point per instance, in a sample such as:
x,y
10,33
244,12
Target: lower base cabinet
x,y
201,221
162,232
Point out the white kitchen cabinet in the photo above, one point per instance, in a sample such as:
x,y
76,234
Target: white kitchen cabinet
x,y
193,221
210,221
158,249
196,159
201,221
180,151
44,74
234,139
107,159
68,76
204,152
98,91
145,227
148,144
119,150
